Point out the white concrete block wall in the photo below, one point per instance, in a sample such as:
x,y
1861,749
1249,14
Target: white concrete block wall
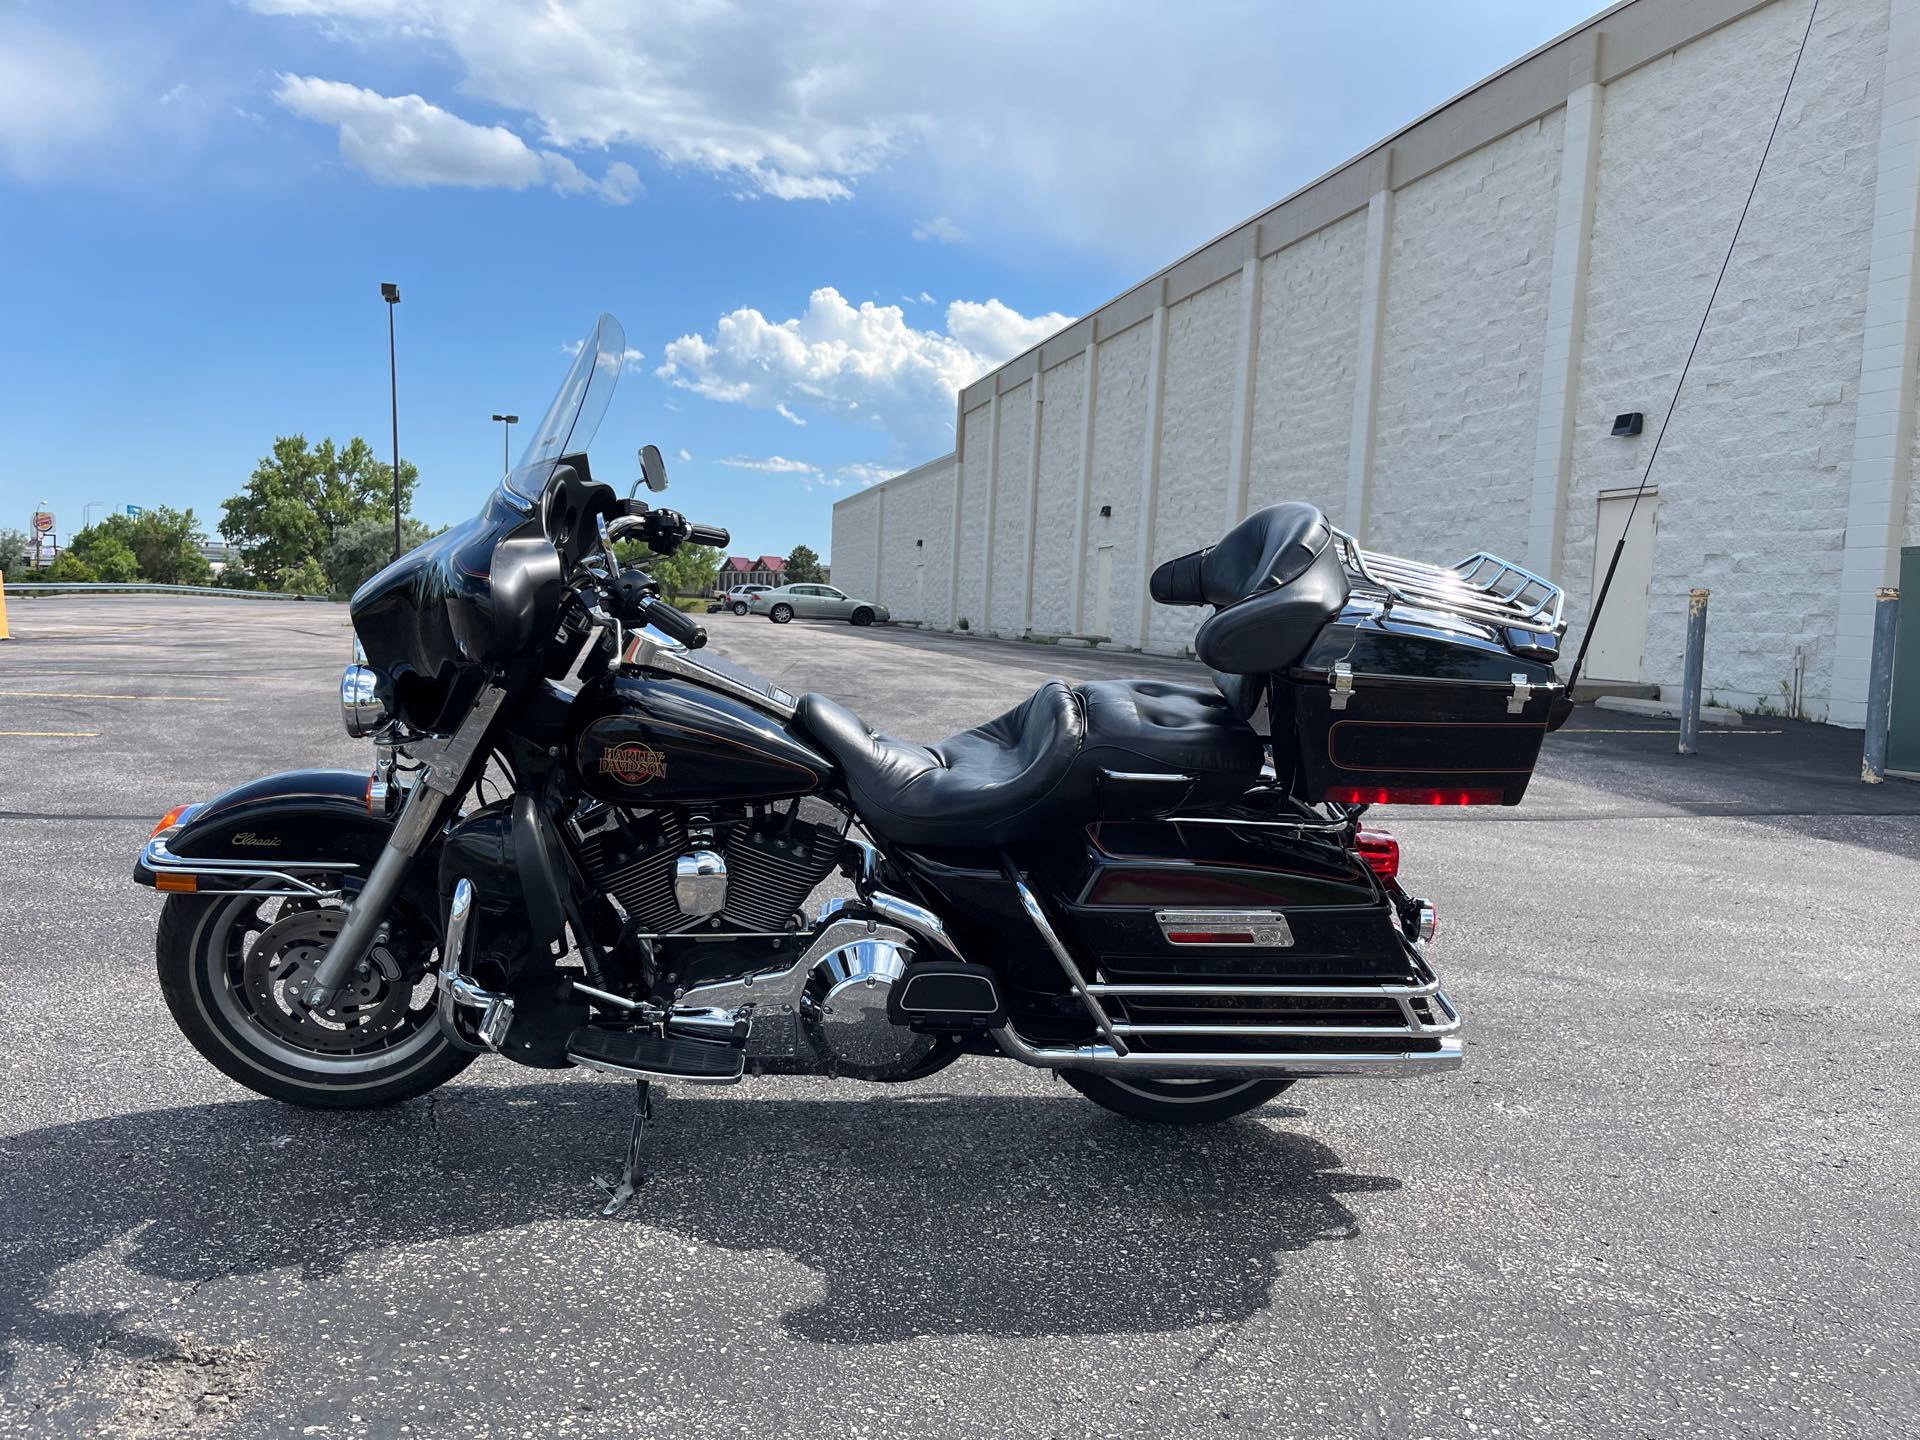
x,y
1514,322
1752,475
1303,388
1470,264
856,543
1006,614
1195,440
1056,541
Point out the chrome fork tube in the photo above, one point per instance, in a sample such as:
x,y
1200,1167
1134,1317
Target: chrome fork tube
x,y
369,909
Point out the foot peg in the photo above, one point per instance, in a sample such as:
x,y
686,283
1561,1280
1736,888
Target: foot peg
x,y
644,1054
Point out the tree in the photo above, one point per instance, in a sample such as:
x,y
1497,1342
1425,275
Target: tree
x,y
690,570
103,551
164,544
300,498
14,545
364,548
803,566
69,569
306,578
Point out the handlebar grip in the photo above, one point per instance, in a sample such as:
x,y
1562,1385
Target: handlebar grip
x,y
675,623
709,535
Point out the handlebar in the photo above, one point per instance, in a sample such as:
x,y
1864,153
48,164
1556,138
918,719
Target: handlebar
x,y
713,535
666,530
674,623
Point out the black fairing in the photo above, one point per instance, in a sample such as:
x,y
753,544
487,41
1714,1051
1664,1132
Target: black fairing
x,y
470,599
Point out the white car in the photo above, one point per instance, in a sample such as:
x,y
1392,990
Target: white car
x,y
815,602
738,597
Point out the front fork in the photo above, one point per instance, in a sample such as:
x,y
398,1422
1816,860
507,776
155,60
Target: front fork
x,y
439,785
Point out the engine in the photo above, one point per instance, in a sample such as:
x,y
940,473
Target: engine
x,y
731,869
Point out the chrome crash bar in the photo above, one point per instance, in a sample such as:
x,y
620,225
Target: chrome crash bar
x,y
283,877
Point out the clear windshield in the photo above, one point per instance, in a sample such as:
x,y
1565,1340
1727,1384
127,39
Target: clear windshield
x,y
575,412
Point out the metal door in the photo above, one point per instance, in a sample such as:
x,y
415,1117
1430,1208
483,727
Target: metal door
x,y
1620,638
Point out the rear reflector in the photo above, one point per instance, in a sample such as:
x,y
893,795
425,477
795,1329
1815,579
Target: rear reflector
x,y
1413,795
1210,937
1381,852
176,883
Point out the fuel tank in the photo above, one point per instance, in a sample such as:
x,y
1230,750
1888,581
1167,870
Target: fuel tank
x,y
640,739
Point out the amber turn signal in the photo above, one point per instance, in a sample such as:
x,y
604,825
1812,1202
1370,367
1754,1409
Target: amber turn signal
x,y
169,820
176,883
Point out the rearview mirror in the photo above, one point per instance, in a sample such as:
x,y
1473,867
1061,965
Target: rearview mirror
x,y
653,467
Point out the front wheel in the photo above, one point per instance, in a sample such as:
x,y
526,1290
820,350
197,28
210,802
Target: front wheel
x,y
1174,1102
863,616
780,614
232,968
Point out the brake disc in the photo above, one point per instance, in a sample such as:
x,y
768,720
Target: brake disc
x,y
371,1005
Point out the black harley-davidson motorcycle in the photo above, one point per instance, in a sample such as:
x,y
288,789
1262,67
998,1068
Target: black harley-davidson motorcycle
x,y
587,841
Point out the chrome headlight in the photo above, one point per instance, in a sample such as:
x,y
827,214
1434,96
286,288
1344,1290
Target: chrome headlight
x,y
360,708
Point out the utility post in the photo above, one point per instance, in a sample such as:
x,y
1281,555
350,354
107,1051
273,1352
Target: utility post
x,y
1696,664
1886,620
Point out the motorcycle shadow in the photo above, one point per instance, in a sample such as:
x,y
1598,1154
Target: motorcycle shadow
x,y
922,1213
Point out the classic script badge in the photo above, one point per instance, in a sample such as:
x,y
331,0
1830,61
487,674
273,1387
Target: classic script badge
x,y
247,837
633,763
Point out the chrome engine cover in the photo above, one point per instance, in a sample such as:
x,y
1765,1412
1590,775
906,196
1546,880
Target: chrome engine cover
x,y
844,1011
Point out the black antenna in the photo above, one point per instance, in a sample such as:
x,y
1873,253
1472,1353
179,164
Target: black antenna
x,y
1580,660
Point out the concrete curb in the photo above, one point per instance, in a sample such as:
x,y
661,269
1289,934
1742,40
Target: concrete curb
x,y
1664,710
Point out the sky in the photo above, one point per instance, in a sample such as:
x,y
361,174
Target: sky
x,y
816,222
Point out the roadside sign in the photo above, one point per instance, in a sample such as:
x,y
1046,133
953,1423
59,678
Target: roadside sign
x,y
42,521
136,511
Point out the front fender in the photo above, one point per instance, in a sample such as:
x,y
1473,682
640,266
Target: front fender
x,y
299,820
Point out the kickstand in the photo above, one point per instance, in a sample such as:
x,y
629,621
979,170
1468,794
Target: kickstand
x,y
621,1189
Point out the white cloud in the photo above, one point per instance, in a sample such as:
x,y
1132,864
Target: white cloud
x,y
685,454
785,414
630,358
55,95
405,140
772,465
865,364
992,119
864,473
940,229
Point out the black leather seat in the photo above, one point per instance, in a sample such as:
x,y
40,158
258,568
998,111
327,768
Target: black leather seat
x,y
1047,761
984,787
1153,727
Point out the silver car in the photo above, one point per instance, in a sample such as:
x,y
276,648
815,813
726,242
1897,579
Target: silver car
x,y
815,602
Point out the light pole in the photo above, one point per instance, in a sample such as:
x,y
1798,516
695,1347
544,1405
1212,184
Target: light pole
x,y
391,294
86,513
506,439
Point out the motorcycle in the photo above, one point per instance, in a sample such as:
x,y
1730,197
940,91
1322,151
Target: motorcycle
x,y
587,841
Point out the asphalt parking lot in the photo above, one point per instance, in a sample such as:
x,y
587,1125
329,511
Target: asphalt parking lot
x,y
1673,1192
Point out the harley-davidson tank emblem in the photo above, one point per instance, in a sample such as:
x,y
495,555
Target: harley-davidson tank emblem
x,y
633,763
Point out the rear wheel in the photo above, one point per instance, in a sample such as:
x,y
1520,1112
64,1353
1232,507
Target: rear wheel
x,y
780,614
232,969
1174,1102
863,616
739,607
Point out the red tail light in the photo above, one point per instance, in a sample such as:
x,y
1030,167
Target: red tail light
x,y
1413,795
1381,852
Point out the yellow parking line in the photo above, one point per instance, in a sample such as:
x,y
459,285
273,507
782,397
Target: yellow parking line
x,y
52,734
78,695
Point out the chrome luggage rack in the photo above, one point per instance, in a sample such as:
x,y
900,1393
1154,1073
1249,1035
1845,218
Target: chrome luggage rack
x,y
1483,587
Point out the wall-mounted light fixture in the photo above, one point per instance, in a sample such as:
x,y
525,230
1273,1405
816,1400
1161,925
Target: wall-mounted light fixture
x,y
1106,512
1630,423
918,543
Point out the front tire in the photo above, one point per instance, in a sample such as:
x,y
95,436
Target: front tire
x,y
863,616
780,614
1174,1102
232,1004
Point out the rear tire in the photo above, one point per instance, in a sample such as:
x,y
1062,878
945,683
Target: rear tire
x,y
780,614
202,943
863,616
1174,1102
739,607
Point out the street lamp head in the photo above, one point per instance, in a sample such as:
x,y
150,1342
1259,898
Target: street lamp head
x,y
389,293
510,419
